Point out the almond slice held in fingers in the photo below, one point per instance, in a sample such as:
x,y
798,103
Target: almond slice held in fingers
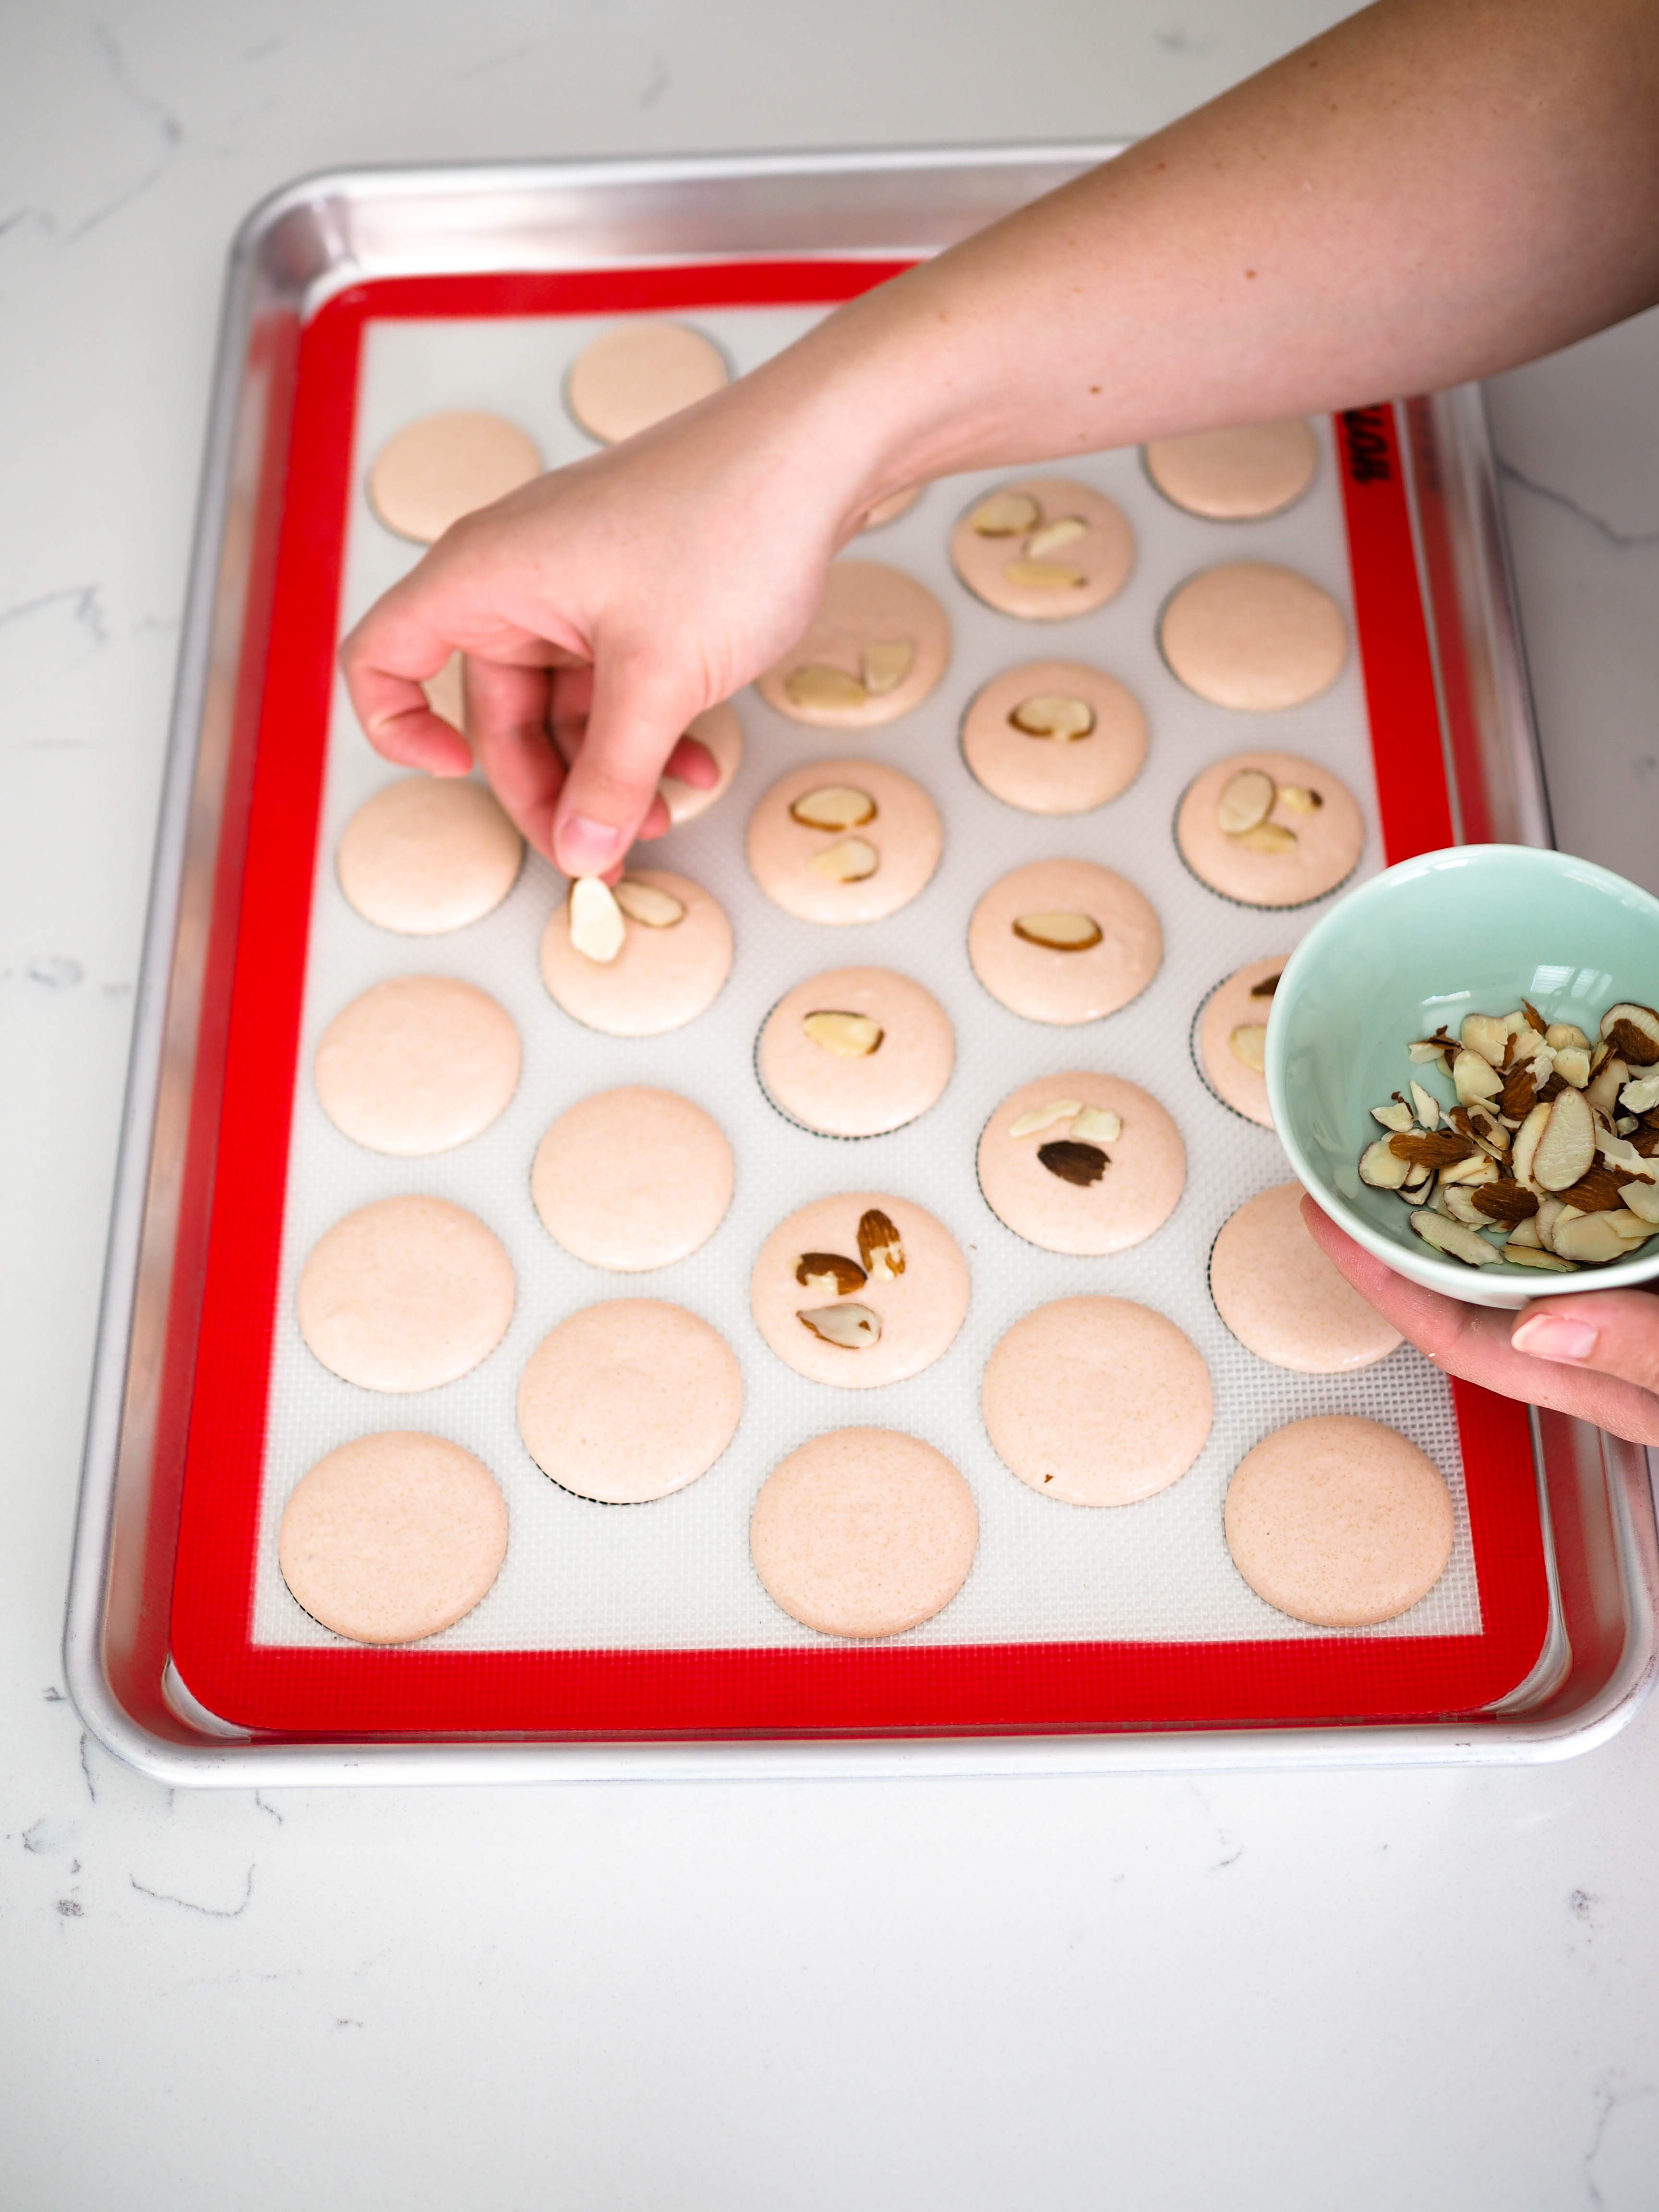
x,y
849,1037
597,928
649,904
1059,933
834,806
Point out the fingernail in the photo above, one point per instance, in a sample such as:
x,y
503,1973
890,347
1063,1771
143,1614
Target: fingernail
x,y
586,847
1553,1336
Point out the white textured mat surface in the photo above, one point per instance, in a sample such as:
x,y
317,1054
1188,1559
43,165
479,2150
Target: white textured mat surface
x,y
677,1573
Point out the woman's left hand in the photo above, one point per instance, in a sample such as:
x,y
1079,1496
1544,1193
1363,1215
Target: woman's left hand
x,y
1593,1354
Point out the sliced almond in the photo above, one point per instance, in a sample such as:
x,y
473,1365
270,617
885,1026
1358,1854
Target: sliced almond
x,y
1474,1077
1452,1238
1588,1237
1098,1125
884,666
1572,1066
1567,1144
851,1327
1439,1148
834,806
1481,1168
1427,1106
1531,1256
1265,988
815,685
1631,1227
1299,799
1071,1162
1246,798
649,904
1052,537
1552,1211
1525,1236
1268,838
1606,1083
1397,1117
849,1037
596,928
1382,1168
1486,1035
1422,1049
1059,933
879,1246
1560,1033
1642,1199
1633,1033
1006,514
1054,714
1044,576
830,1272
1459,1206
854,860
1044,1117
1526,1145
1640,1095
1248,1045
1505,1202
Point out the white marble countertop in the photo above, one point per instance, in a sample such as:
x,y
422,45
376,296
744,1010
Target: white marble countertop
x,y
1365,1990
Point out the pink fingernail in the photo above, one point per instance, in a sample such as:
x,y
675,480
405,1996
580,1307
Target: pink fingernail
x,y
586,847
1553,1336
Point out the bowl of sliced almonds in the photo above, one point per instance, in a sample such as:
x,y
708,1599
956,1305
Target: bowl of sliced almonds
x,y
1462,1060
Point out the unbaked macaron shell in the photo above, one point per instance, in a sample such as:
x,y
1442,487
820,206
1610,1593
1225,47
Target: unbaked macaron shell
x,y
1330,835
864,1533
1046,983
788,858
1096,1401
639,372
418,1064
1019,572
1284,1300
1339,1521
718,731
1254,636
866,607
433,471
1133,1196
919,1310
633,1178
1226,1042
428,854
660,980
844,1094
1237,474
406,1294
1049,774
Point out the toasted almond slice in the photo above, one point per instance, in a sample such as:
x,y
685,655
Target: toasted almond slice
x,y
879,1244
849,1037
852,1328
1268,838
884,666
1461,1206
1640,1095
830,1272
1059,933
1486,1035
1006,514
854,860
1551,1212
1588,1237
1382,1168
815,685
1531,1256
1397,1117
1053,536
1487,1129
597,928
1606,1083
1071,1162
1560,1033
1054,714
1526,1146
1619,1152
1299,799
1045,1117
1480,1167
1568,1143
1452,1238
649,904
1246,798
1427,1106
1633,1032
1248,1045
1098,1125
1044,576
1474,1077
834,806
1572,1066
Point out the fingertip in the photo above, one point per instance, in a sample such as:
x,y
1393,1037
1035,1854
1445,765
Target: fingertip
x,y
692,762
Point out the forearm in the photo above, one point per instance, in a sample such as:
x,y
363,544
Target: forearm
x,y
1434,190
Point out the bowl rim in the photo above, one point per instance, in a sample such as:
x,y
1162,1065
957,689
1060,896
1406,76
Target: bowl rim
x,y
1426,1267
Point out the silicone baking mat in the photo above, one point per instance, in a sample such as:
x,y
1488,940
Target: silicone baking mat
x,y
650,1620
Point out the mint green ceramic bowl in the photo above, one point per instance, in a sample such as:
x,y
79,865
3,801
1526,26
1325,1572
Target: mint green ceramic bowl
x,y
1473,930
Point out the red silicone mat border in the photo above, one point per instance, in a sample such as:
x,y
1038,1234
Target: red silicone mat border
x,y
349,1690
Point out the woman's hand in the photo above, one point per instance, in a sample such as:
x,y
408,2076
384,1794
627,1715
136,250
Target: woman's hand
x,y
1594,1354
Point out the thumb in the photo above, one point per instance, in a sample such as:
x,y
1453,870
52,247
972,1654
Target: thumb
x,y
1612,1332
638,716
